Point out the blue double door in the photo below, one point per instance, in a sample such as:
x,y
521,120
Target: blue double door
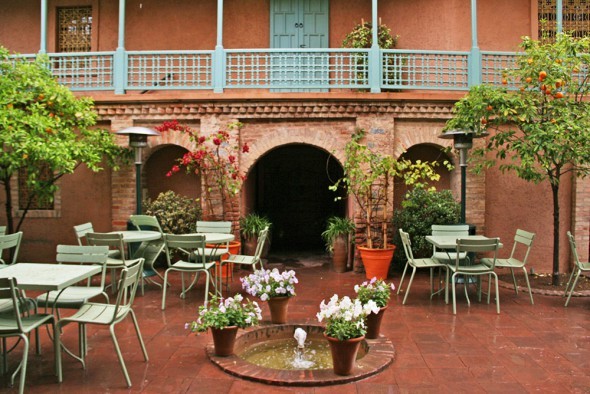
x,y
299,24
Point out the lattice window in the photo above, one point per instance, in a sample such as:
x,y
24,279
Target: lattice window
x,y
74,29
24,192
576,18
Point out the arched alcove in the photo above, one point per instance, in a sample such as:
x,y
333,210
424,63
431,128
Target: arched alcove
x,y
289,184
159,164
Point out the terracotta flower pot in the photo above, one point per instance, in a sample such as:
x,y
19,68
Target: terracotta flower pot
x,y
224,339
278,309
340,254
376,261
374,323
344,354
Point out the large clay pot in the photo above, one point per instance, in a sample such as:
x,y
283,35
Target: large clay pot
x,y
250,246
374,323
224,339
340,253
344,354
278,309
376,261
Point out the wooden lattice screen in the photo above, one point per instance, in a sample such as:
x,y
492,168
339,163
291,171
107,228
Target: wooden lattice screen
x,y
576,18
74,29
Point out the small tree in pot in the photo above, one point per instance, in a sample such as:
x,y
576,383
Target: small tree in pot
x,y
337,238
369,177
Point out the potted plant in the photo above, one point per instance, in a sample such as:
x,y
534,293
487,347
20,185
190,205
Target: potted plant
x,y
272,286
369,177
224,317
379,292
345,329
337,238
250,227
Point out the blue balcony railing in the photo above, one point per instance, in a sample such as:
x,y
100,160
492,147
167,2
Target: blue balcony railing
x,y
278,70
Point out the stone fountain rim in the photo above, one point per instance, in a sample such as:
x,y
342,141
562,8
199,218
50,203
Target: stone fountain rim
x,y
380,355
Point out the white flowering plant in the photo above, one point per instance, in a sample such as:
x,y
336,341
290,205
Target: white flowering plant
x,y
270,283
345,317
221,313
376,290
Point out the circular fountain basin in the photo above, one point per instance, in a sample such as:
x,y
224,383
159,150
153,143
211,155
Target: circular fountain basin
x,y
374,356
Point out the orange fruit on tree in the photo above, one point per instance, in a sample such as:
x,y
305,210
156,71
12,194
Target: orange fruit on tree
x,y
542,74
490,108
529,79
530,60
558,95
504,82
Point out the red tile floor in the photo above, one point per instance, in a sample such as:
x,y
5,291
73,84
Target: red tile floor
x,y
527,348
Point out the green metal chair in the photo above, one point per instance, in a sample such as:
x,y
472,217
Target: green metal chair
x,y
110,314
214,252
415,264
458,230
252,261
19,323
579,267
82,229
189,245
76,296
2,230
474,246
115,243
149,251
522,239
11,244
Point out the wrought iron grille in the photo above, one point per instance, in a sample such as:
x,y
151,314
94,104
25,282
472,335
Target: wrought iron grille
x,y
74,29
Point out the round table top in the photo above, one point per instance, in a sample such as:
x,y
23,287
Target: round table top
x,y
217,238
139,236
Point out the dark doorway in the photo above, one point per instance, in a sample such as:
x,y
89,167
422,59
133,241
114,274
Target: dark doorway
x,y
290,186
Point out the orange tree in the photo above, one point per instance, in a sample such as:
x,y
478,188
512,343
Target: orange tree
x,y
45,132
539,123
215,157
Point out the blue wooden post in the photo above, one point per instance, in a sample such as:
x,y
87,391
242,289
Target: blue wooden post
x,y
559,16
219,54
119,64
374,54
43,43
474,61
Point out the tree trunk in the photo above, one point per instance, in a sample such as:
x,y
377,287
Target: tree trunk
x,y
555,192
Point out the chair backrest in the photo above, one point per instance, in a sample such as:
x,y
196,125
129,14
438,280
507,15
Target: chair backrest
x,y
477,246
575,255
2,230
112,240
213,227
407,244
8,242
450,229
127,287
81,231
9,292
146,222
192,245
85,254
261,240
525,239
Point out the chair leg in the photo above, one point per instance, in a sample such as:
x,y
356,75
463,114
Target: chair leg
x,y
164,290
497,293
57,350
409,285
145,355
402,279
22,366
569,281
465,285
514,280
573,287
207,278
526,277
119,355
454,295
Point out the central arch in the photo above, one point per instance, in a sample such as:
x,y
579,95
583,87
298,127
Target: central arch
x,y
289,184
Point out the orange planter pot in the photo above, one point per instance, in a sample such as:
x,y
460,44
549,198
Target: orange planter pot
x,y
376,261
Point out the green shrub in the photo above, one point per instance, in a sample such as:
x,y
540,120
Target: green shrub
x,y
177,214
421,209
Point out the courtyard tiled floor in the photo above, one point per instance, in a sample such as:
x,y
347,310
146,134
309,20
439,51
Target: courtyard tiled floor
x,y
527,348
